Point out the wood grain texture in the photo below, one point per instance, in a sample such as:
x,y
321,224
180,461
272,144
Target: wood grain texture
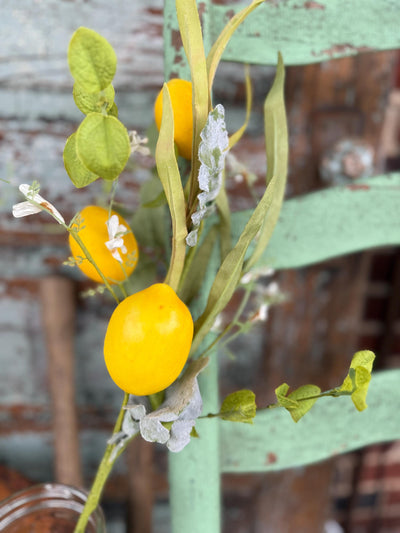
x,y
58,311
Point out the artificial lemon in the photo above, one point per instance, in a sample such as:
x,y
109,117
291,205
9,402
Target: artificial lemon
x,y
180,92
96,228
148,340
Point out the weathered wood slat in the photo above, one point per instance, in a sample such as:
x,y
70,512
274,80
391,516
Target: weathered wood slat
x,y
303,31
309,32
332,427
333,222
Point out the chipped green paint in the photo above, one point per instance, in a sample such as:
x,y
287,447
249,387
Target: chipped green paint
x,y
332,427
303,31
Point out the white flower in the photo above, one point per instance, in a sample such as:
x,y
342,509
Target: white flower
x,y
137,143
116,232
34,204
255,274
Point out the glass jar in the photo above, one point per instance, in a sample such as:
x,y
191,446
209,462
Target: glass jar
x,y
47,508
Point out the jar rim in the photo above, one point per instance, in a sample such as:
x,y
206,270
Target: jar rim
x,y
46,495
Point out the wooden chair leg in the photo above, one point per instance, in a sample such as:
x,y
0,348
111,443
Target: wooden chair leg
x,y
141,493
58,310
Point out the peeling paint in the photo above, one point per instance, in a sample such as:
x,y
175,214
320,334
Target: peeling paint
x,y
271,458
358,187
314,5
176,41
342,49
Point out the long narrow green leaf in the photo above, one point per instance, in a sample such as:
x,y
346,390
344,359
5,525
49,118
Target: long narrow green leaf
x,y
190,28
168,172
277,148
233,139
228,276
214,56
198,267
225,221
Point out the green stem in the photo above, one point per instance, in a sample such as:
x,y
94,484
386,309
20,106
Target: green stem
x,y
79,241
232,323
102,474
92,261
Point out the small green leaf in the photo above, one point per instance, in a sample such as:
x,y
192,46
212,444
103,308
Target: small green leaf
x,y
103,145
283,400
305,396
194,433
239,406
76,170
358,378
92,60
93,102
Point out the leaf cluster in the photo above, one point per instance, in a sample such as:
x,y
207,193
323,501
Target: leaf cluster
x,y
355,385
100,147
241,406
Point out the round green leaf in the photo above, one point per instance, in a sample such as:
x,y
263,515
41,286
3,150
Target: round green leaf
x,y
239,406
92,60
76,170
93,102
102,144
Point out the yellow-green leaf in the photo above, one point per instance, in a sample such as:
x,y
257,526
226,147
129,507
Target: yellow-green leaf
x,y
305,396
102,144
358,379
92,60
277,147
233,139
239,406
76,170
224,221
168,172
192,39
230,272
283,400
219,46
93,102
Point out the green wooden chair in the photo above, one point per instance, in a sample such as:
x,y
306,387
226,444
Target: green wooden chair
x,y
304,32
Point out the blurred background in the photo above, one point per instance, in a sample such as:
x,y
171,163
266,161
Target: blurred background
x,y
344,121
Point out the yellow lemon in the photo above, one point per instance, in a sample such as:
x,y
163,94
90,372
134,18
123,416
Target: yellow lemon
x,y
148,340
181,99
95,233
